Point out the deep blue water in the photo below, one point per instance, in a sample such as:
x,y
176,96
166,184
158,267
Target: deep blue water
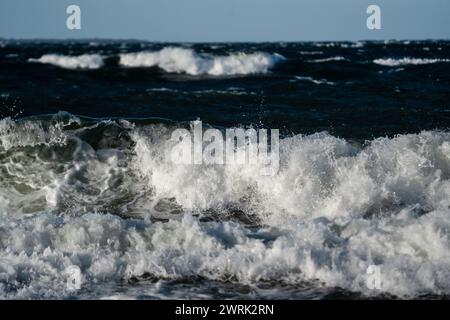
x,y
356,98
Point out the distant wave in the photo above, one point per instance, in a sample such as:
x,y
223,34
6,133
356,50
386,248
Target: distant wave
x,y
315,81
352,45
85,61
312,53
174,60
229,91
161,90
390,62
357,44
328,59
180,60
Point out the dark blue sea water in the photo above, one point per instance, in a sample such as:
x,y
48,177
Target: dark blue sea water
x,y
335,87
363,183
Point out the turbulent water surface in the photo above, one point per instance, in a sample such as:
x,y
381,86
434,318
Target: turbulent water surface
x,y
85,181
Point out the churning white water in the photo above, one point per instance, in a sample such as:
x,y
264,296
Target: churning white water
x,y
102,196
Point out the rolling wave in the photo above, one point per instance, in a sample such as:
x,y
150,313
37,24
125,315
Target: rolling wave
x,y
103,196
174,60
180,60
85,61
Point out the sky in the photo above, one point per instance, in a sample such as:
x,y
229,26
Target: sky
x,y
226,20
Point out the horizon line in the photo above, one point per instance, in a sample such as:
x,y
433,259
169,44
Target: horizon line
x,y
212,42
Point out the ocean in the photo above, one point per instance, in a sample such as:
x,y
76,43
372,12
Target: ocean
x,y
91,207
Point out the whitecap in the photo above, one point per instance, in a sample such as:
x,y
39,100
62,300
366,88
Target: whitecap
x,y
315,81
85,61
181,60
338,58
391,62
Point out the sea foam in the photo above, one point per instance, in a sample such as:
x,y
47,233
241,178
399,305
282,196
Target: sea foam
x,y
181,60
390,62
85,61
333,210
331,59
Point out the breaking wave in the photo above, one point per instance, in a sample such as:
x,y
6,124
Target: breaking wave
x,y
85,61
102,196
180,60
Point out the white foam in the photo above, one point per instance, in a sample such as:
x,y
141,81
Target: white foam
x,y
315,81
29,133
412,253
313,53
326,178
331,211
161,90
325,44
85,61
390,62
356,44
180,60
338,58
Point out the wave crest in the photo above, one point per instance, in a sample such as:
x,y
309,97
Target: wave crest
x,y
333,210
180,60
390,62
85,61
